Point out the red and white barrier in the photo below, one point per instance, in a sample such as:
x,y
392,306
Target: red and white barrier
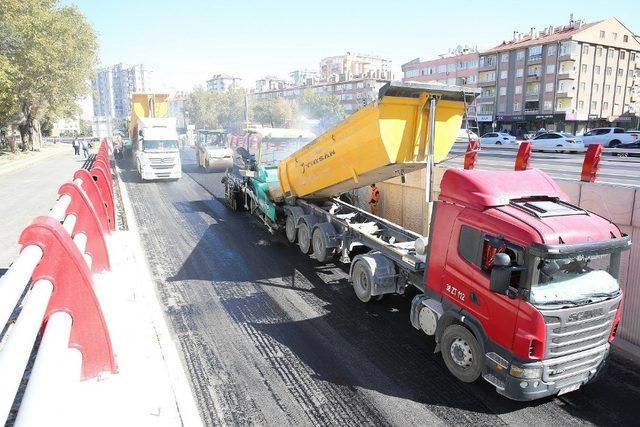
x,y
60,253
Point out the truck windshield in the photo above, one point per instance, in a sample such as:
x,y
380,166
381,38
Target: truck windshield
x,y
576,279
276,149
157,145
216,141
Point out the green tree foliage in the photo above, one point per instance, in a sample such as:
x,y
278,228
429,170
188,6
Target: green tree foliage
x,y
274,112
323,107
47,67
211,110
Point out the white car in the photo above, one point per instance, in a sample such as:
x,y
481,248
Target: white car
x,y
498,138
609,137
559,141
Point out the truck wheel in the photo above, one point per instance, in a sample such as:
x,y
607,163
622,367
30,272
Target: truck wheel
x,y
304,238
290,229
362,280
319,243
461,353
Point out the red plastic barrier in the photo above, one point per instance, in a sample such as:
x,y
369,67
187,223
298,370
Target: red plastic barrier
x,y
524,154
72,293
87,222
93,193
471,155
102,178
591,164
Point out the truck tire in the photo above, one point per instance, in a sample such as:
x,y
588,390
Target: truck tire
x,y
304,238
319,242
362,281
290,229
461,353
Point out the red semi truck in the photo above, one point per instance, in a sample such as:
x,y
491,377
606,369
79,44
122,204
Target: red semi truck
x,y
521,286
516,285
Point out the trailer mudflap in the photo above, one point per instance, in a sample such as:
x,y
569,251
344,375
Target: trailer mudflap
x,y
383,272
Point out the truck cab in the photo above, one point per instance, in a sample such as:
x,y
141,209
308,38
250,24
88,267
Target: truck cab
x,y
521,286
213,152
157,149
258,155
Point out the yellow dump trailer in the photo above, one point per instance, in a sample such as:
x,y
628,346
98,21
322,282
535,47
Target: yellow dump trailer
x,y
147,105
385,139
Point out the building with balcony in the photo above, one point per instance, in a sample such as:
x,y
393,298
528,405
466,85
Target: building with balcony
x,y
459,66
112,88
353,94
271,83
223,82
565,78
355,66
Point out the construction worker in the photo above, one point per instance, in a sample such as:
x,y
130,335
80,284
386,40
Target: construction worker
x,y
374,199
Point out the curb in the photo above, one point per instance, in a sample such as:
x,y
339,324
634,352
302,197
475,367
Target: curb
x,y
25,163
183,395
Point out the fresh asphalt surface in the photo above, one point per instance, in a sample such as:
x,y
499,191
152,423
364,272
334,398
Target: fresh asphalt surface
x,y
270,336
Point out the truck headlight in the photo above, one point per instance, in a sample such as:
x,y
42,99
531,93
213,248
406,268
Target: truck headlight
x,y
526,373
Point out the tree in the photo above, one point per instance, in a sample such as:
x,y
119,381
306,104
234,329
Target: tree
x,y
323,107
52,63
9,111
275,112
208,109
86,129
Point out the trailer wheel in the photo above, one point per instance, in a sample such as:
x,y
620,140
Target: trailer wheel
x,y
304,238
461,353
319,242
362,280
290,229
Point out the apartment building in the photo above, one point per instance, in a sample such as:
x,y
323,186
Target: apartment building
x,y
459,66
112,88
353,94
102,90
566,78
126,80
355,65
223,82
271,83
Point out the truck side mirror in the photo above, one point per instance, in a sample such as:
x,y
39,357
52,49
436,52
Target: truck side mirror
x,y
500,273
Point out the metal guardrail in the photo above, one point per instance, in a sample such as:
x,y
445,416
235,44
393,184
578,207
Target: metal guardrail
x,y
616,165
60,252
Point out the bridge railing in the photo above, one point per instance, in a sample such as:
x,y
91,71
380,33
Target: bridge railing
x,y
615,165
48,306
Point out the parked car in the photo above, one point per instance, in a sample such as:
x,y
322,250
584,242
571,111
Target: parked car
x,y
628,147
498,138
556,140
609,137
465,135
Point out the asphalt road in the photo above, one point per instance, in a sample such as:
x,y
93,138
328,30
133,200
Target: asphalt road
x,y
28,193
270,336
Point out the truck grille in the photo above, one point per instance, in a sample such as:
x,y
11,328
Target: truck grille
x,y
577,340
575,367
579,328
162,162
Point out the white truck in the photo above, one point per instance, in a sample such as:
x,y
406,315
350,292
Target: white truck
x,y
157,149
609,137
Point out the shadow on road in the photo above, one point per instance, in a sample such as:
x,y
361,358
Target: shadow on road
x,y
261,280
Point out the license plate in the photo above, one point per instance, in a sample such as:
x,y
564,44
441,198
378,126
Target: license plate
x,y
569,389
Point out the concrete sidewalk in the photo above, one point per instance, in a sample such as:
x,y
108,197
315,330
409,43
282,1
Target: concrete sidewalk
x,y
13,162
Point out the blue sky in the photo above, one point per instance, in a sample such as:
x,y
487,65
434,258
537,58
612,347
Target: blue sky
x,y
188,40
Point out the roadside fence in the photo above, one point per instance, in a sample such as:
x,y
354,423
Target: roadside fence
x,y
48,308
